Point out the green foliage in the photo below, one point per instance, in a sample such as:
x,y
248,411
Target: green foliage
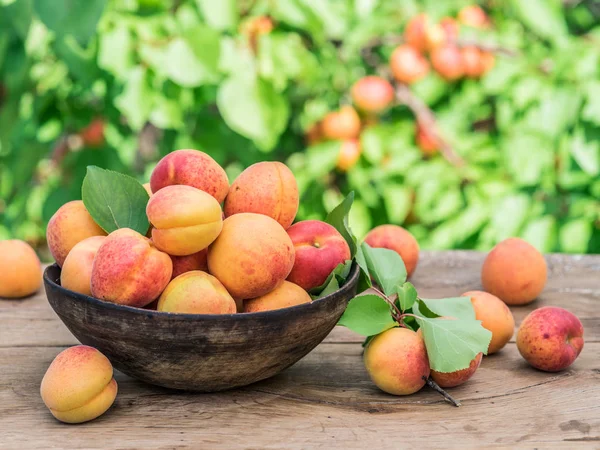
x,y
168,74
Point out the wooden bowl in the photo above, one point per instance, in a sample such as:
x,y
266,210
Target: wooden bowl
x,y
198,352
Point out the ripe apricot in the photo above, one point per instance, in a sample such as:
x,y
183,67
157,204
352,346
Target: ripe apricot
x,y
20,269
408,65
447,61
474,16
396,238
514,271
187,263
426,141
453,379
267,188
342,124
76,273
79,385
416,31
72,223
349,154
283,296
397,361
372,94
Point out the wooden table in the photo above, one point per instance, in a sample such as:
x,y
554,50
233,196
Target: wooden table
x,y
326,400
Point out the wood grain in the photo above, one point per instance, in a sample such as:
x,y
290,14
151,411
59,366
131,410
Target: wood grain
x,y
327,400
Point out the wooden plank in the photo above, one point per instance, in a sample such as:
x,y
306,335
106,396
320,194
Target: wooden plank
x,y
325,400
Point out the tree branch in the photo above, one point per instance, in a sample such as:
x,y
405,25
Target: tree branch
x,y
436,387
491,48
426,118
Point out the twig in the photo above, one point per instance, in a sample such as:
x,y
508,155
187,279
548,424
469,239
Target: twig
x,y
396,313
426,118
492,48
436,387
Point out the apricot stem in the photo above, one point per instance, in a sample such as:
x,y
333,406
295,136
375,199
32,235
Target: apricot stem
x,y
436,387
396,313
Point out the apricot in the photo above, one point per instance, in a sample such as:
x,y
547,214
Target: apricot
x,y
319,249
474,16
396,238
415,33
20,269
196,292
79,385
314,135
192,168
488,60
472,63
372,94
76,273
342,124
550,338
451,29
93,134
349,154
267,188
453,379
129,270
514,271
185,219
251,256
426,141
495,316
397,362
408,65
187,263
283,296
447,61
72,223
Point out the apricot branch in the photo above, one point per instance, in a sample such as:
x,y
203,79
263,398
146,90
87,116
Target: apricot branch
x,y
396,313
492,48
433,385
426,118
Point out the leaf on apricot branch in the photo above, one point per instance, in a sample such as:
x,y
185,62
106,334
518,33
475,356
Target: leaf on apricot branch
x,y
367,315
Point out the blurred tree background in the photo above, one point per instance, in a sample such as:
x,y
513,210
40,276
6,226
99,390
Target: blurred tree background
x,y
120,83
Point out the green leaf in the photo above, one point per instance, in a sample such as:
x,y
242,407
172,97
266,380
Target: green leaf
x,y
115,50
586,154
115,200
575,235
193,59
135,102
453,344
398,201
385,267
456,307
541,233
221,15
591,110
367,315
544,17
252,108
69,17
407,296
338,218
334,281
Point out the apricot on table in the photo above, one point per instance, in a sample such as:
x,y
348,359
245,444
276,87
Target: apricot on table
x,y
72,223
495,316
319,249
251,256
129,269
193,168
458,377
76,273
267,188
394,237
283,296
514,271
187,263
20,269
196,292
79,385
550,338
397,361
185,220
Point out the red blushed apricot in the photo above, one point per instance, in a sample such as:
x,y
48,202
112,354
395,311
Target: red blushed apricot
x,y
514,271
129,270
187,263
396,238
251,256
72,223
192,168
426,141
453,379
408,65
283,296
447,61
495,316
319,249
550,338
79,385
349,155
342,124
20,269
397,361
474,16
196,292
472,63
416,31
372,94
76,273
267,188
